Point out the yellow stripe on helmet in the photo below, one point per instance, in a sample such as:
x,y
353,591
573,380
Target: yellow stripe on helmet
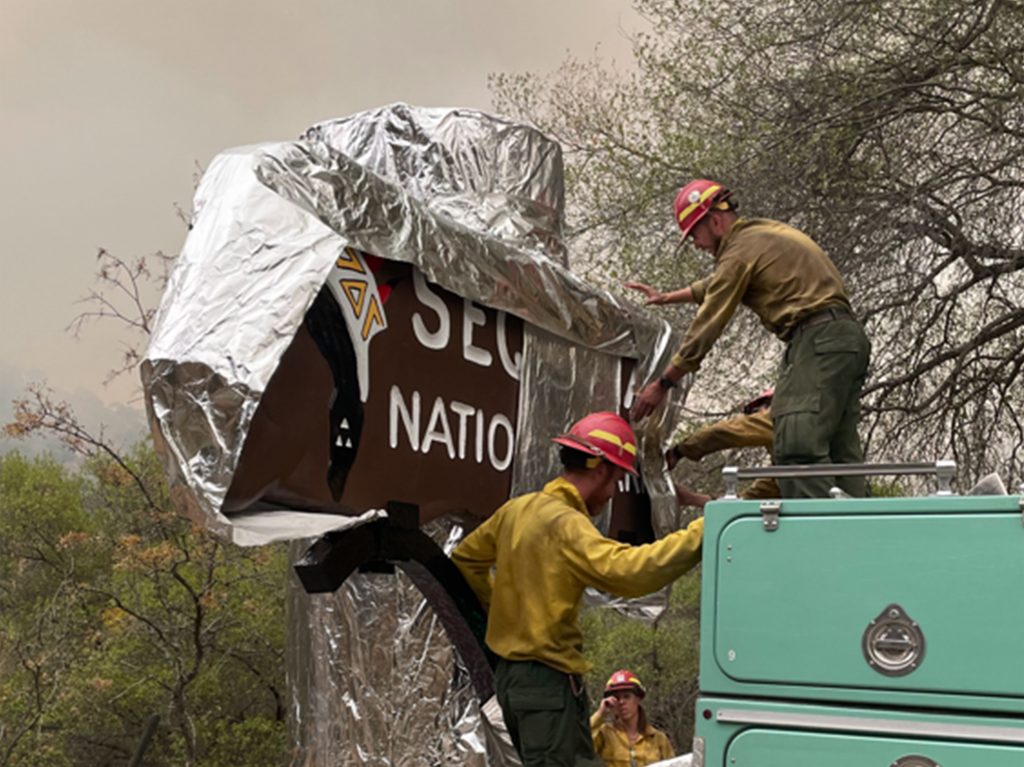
x,y
629,447
713,189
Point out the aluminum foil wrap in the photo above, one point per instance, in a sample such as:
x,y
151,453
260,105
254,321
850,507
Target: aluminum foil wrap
x,y
475,203
374,680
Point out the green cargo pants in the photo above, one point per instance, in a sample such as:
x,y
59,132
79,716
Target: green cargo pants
x,y
547,714
817,405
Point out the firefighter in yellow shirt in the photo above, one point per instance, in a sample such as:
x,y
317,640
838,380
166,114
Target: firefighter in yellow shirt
x,y
544,551
628,740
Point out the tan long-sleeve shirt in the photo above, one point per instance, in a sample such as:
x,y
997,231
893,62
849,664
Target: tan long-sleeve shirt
x,y
776,270
743,430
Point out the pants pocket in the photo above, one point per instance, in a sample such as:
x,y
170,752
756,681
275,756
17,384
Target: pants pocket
x,y
541,719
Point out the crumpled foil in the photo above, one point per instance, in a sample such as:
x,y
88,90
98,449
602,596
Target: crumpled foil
x,y
374,680
475,202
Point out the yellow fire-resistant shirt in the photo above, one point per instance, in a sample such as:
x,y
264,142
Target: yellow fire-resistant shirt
x,y
613,747
743,430
545,550
776,270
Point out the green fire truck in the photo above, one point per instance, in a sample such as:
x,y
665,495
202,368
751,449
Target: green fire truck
x,y
861,632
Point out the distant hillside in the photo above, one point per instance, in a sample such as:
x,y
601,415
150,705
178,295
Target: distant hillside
x,y
122,424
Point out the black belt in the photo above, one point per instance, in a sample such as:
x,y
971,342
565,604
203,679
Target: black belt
x,y
818,318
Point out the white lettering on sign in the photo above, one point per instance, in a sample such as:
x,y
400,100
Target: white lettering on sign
x,y
411,420
464,411
500,422
473,317
511,364
479,452
438,430
493,438
439,338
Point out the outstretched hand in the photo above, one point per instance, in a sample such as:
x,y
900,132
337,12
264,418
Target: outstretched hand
x,y
647,401
651,295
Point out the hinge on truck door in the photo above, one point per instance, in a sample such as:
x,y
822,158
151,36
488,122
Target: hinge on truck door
x,y
770,515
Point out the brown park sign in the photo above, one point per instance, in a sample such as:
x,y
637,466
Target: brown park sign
x,y
395,389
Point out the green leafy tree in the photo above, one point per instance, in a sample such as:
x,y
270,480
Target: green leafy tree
x,y
45,617
663,653
114,608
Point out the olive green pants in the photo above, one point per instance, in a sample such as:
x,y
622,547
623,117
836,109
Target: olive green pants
x,y
817,405
547,714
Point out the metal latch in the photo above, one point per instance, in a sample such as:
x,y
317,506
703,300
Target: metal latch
x,y
770,515
914,760
945,472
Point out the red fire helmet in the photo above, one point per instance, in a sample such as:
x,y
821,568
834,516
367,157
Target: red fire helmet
x,y
695,200
605,435
624,679
764,399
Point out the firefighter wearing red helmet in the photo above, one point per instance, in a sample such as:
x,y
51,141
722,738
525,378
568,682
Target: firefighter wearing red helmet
x,y
793,287
622,735
544,551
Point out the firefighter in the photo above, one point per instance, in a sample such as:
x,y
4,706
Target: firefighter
x,y
545,551
750,428
628,739
796,291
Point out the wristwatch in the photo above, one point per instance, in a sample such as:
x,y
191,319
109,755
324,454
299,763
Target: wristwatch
x,y
667,383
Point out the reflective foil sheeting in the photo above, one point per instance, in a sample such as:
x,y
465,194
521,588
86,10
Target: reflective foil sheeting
x,y
269,223
374,680
557,381
492,175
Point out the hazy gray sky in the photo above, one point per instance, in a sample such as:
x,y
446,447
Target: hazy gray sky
x,y
107,107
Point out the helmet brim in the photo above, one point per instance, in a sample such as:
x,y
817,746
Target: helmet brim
x,y
625,688
574,442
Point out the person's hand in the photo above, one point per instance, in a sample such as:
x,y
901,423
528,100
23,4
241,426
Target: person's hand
x,y
651,295
687,497
647,401
608,707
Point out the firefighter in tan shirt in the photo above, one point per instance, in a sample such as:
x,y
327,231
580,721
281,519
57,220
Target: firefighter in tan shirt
x,y
544,551
750,428
797,293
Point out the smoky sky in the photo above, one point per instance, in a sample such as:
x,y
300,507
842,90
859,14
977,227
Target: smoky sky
x,y
109,109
